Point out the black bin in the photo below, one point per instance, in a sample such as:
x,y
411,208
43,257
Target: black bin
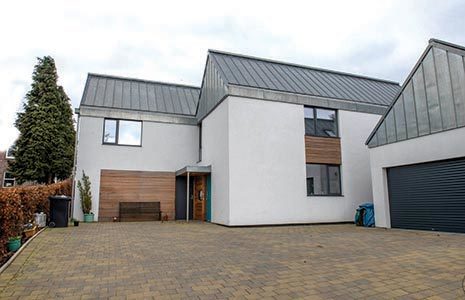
x,y
59,211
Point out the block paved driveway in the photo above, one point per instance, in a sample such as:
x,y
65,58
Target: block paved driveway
x,y
177,260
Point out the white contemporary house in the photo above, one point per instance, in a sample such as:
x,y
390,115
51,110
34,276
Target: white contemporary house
x,y
417,150
260,142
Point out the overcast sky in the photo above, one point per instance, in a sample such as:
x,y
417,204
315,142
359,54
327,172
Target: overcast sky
x,y
168,41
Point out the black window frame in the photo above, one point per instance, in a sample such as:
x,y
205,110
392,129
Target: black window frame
x,y
340,194
8,178
314,109
116,142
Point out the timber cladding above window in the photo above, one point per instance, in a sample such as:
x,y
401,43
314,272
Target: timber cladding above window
x,y
322,150
135,186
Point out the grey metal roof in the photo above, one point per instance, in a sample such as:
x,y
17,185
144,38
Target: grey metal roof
x,y
432,98
140,95
267,74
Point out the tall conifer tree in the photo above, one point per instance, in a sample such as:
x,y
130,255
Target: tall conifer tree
x,y
45,147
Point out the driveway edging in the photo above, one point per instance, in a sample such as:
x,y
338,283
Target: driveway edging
x,y
10,261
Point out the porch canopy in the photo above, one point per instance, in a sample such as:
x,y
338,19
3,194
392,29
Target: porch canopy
x,y
192,171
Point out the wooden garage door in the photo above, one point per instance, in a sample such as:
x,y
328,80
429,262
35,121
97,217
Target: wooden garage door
x,y
428,196
135,186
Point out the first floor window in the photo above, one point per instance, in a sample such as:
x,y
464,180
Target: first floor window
x,y
323,180
122,132
8,179
320,122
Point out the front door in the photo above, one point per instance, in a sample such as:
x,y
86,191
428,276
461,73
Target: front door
x,y
199,197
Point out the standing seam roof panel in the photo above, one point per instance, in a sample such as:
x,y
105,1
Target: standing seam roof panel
x,y
269,84
427,98
258,79
266,74
139,95
230,76
300,84
332,80
310,86
271,80
244,73
347,88
286,84
372,93
320,83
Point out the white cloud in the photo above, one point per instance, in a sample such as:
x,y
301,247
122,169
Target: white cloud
x,y
168,40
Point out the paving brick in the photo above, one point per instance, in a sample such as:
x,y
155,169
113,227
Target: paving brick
x,y
152,260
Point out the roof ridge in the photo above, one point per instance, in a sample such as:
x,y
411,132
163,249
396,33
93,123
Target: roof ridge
x,y
143,80
435,42
302,66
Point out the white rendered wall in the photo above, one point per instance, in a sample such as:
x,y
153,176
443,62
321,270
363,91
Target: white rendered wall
x,y
215,152
438,146
165,147
267,165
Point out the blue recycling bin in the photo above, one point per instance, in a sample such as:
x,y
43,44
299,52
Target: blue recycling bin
x,y
365,211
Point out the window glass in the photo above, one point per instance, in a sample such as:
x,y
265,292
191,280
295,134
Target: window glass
x,y
129,133
8,179
9,152
326,122
309,121
334,180
318,177
109,135
323,179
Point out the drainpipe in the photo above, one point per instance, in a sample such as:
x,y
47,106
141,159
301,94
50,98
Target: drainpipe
x,y
187,198
73,175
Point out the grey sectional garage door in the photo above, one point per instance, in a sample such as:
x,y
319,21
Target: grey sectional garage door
x,y
428,196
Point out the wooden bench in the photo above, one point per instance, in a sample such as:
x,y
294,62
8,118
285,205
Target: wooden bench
x,y
139,211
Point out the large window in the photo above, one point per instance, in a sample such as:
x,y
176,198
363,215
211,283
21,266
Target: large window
x,y
8,179
122,132
323,180
320,122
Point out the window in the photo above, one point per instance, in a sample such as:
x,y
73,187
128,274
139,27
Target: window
x,y
320,122
9,153
323,180
8,179
122,132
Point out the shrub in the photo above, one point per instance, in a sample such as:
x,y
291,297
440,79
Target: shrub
x,y
85,194
18,205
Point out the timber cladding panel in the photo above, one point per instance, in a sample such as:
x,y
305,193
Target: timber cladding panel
x,y
322,150
135,186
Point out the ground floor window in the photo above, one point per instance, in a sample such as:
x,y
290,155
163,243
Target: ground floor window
x,y
8,179
323,180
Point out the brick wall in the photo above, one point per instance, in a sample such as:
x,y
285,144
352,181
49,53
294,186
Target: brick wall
x,y
3,166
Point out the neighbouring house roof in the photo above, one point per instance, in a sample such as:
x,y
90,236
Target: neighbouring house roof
x,y
107,91
431,100
224,70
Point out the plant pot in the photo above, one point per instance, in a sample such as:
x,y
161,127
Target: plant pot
x,y
29,233
88,218
14,245
76,223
